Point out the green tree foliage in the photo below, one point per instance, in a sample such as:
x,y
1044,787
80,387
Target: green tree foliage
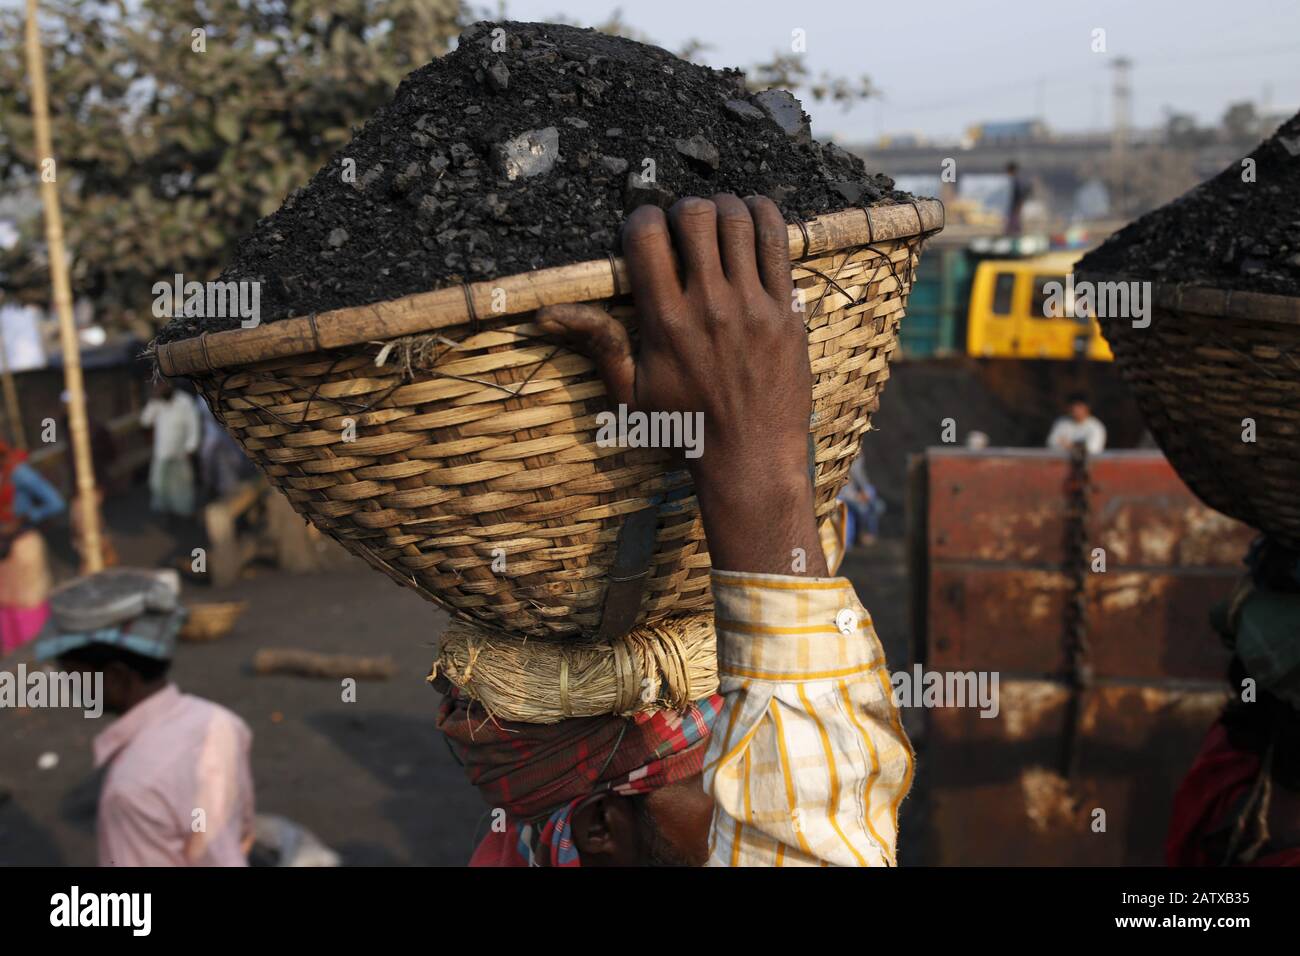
x,y
169,142
790,71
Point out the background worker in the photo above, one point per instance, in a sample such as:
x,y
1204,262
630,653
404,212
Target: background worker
x,y
27,500
1078,426
864,503
1019,192
178,788
172,415
223,466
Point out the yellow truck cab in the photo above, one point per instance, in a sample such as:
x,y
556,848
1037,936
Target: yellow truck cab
x,y
1014,311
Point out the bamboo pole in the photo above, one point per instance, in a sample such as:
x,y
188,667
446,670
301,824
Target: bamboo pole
x,y
13,411
91,549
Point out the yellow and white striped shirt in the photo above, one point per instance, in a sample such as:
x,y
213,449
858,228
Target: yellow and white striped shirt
x,y
808,761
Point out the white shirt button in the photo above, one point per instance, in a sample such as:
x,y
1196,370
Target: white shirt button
x,y
847,621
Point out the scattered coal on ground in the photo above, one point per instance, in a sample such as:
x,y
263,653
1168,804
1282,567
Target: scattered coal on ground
x,y
525,148
1239,230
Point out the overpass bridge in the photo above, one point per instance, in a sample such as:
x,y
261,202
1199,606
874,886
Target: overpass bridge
x,y
1059,164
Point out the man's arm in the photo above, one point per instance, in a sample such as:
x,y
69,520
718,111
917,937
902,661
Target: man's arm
x,y
1096,441
223,789
720,337
193,425
808,761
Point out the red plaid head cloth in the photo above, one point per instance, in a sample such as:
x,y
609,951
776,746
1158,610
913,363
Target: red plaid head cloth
x,y
532,770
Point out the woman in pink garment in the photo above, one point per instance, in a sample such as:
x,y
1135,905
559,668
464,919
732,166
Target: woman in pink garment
x,y
26,500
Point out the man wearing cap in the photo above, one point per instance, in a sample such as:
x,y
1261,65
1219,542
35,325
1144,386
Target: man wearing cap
x,y
178,788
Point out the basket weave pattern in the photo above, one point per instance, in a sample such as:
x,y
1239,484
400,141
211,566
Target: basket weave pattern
x,y
211,620
467,468
1209,361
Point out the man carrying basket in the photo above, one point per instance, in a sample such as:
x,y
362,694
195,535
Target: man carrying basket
x,y
801,759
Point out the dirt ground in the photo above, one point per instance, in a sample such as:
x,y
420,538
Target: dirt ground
x,y
373,779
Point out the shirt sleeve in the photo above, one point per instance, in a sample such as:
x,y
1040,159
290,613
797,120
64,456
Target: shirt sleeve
x,y
192,426
224,792
1096,440
808,761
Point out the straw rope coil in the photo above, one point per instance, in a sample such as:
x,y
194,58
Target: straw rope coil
x,y
1211,365
448,442
666,665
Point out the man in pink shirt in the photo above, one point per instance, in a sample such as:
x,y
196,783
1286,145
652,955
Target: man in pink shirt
x,y
178,788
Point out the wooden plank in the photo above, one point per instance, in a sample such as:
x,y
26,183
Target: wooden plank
x,y
296,662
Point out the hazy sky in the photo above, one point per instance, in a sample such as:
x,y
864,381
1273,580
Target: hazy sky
x,y
943,65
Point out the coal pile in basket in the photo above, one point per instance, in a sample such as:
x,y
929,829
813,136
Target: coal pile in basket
x,y
398,393
1213,353
1239,230
490,164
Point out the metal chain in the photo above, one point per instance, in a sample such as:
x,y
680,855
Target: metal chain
x,y
1077,650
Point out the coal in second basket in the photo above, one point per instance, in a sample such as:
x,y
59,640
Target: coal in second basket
x,y
1239,230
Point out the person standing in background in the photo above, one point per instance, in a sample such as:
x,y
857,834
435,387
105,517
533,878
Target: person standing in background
x,y
26,500
175,422
222,463
1016,204
865,504
1078,425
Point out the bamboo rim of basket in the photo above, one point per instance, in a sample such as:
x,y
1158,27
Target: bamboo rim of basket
x,y
1208,300
463,304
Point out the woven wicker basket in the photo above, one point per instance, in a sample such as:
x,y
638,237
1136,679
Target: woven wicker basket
x,y
441,436
1209,360
212,620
